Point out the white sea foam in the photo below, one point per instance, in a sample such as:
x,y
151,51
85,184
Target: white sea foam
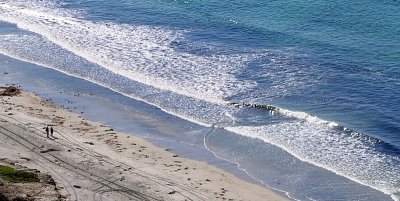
x,y
141,53
144,54
307,117
47,54
336,151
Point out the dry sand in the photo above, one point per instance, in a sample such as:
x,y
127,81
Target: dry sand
x,y
90,161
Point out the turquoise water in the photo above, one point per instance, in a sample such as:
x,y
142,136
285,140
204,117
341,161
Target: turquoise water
x,y
329,70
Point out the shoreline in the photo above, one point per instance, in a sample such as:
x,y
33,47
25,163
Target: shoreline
x,y
105,163
181,137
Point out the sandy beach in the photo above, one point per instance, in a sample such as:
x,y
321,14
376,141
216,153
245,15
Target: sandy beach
x,y
91,161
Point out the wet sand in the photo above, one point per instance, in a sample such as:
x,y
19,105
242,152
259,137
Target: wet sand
x,y
90,161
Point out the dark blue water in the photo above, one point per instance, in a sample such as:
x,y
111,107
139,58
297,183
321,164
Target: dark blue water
x,y
329,70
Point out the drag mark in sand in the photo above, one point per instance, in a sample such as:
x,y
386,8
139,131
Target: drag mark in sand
x,y
209,133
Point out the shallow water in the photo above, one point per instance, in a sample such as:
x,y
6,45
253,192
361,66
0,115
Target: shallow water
x,y
318,80
248,158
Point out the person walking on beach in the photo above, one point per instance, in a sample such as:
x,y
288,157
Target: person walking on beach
x,y
47,131
51,131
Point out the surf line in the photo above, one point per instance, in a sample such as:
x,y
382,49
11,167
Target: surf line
x,y
270,108
307,117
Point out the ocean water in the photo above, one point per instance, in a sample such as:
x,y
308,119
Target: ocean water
x,y
315,84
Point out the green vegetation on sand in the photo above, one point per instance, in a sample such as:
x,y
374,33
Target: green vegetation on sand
x,y
17,176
